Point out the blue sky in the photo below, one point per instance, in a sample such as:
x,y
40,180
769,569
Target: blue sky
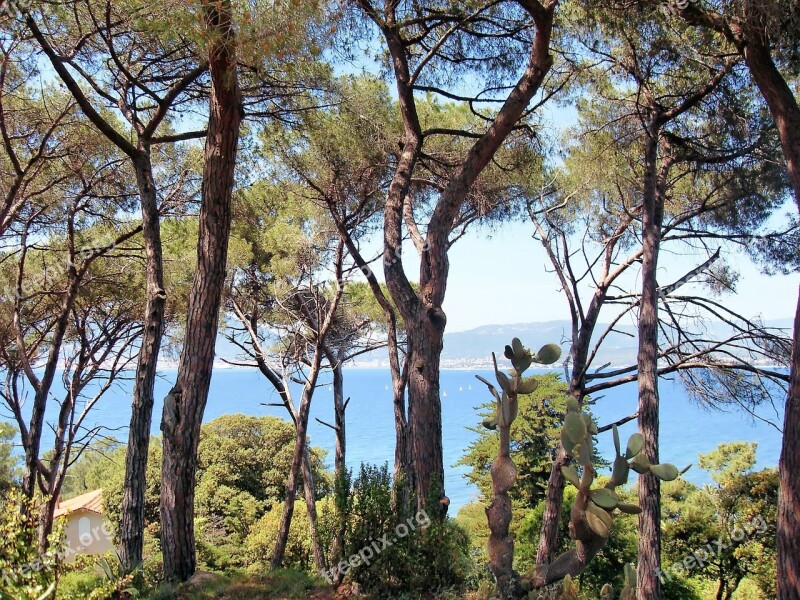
x,y
487,286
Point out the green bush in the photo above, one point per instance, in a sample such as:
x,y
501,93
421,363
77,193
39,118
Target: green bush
x,y
24,572
78,585
236,484
391,553
260,542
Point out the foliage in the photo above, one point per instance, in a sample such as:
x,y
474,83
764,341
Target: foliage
x,y
286,584
90,472
729,527
534,441
243,465
232,451
8,460
25,573
95,578
424,555
78,584
112,484
260,542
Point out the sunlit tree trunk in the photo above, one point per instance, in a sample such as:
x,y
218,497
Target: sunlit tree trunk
x,y
300,445
133,491
649,563
786,113
183,408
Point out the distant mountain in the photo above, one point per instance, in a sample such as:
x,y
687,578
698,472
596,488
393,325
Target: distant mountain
x,y
473,348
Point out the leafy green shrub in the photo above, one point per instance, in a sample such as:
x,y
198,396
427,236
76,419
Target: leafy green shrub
x,y
216,550
95,578
24,572
391,553
78,585
236,485
8,460
260,542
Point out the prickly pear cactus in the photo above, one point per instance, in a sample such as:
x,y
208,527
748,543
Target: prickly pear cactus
x,y
503,470
629,591
577,437
592,516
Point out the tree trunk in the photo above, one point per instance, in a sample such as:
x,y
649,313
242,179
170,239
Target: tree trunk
x,y
501,545
554,492
309,490
339,461
423,315
133,491
46,517
300,443
788,534
339,408
782,105
426,340
184,406
551,518
786,114
649,559
720,590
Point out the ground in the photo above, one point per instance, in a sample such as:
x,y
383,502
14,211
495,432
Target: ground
x,y
283,585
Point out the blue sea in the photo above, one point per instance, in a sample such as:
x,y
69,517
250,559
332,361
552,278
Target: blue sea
x,y
686,428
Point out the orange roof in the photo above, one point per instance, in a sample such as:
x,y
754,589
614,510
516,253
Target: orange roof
x,y
91,501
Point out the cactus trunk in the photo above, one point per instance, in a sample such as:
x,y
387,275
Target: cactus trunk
x,y
501,544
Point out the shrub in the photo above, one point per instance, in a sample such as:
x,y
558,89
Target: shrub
x,y
260,542
77,585
400,553
24,572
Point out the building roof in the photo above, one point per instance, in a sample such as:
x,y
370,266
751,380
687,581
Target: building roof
x,y
91,501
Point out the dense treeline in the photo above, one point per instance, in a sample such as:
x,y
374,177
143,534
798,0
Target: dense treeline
x,y
259,171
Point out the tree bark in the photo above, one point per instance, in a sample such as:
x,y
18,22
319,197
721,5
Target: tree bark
x,y
309,490
133,491
782,105
554,495
300,443
649,558
788,533
583,328
785,111
423,315
340,456
425,341
183,408
500,547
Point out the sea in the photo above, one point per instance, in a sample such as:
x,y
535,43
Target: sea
x,y
687,427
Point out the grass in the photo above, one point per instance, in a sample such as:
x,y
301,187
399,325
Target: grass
x,y
283,584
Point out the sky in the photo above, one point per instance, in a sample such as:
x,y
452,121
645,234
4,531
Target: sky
x,y
489,284
502,276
